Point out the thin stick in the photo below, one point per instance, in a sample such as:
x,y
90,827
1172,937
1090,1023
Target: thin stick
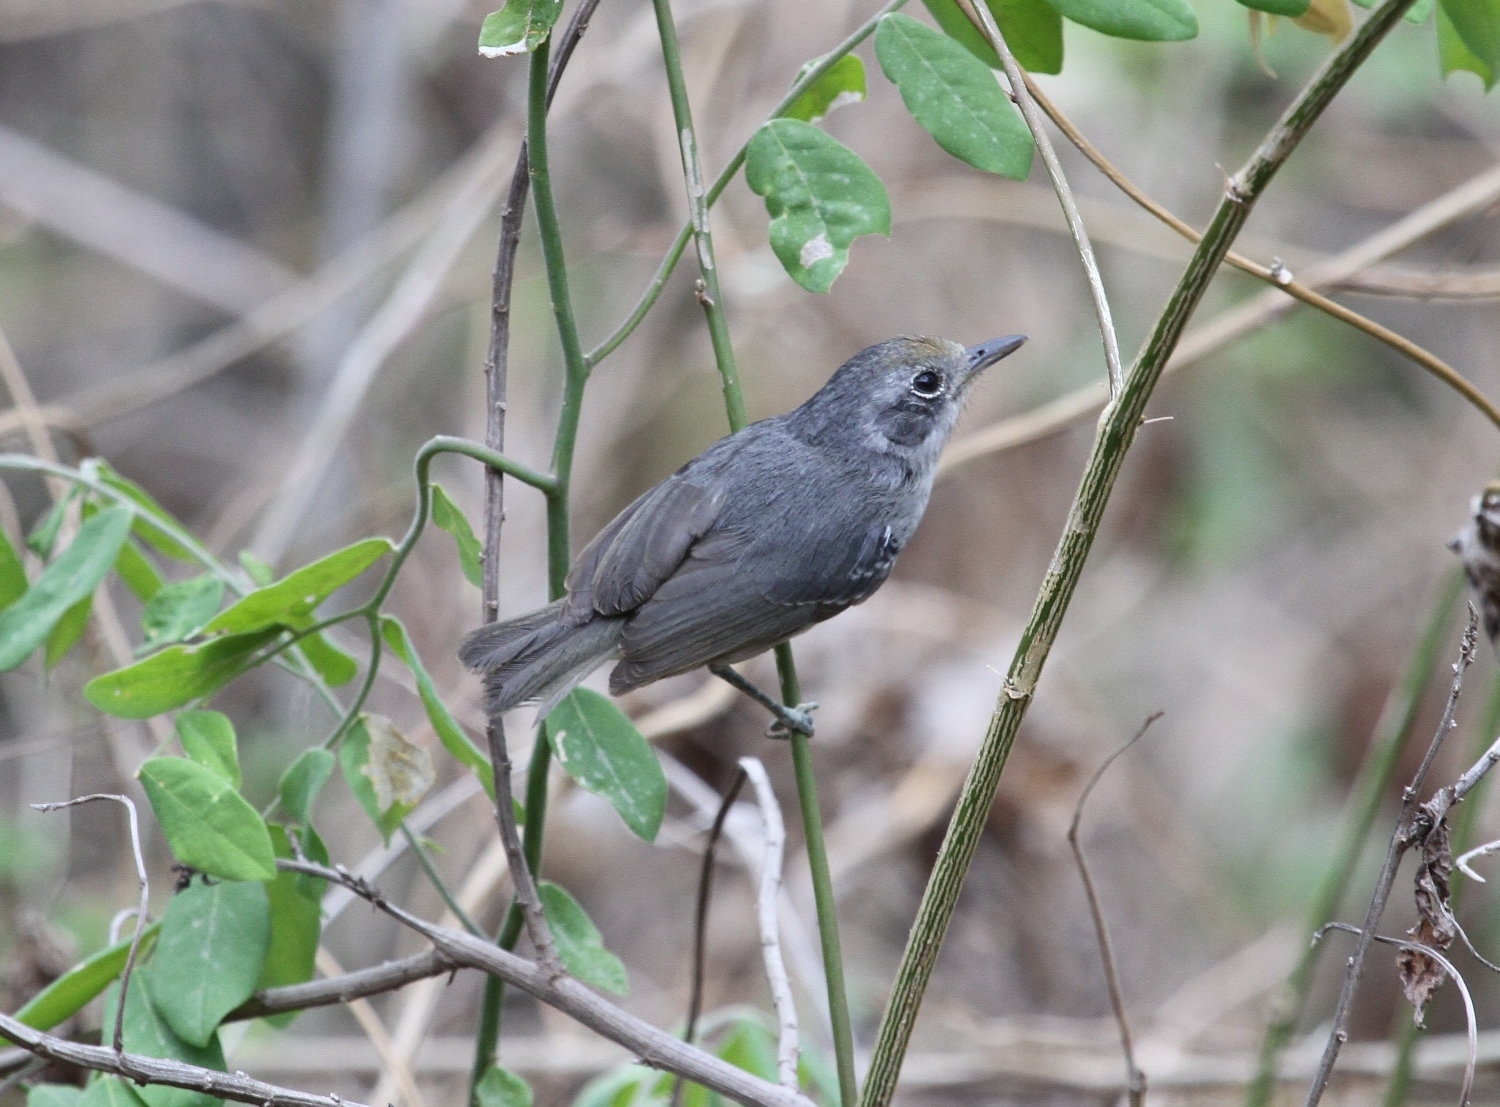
x,y
364,1014
140,914
522,878
700,918
435,879
1135,1079
770,935
1467,1087
1401,839
1021,92
1113,438
653,1046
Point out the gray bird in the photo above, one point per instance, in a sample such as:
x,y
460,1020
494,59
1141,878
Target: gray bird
x,y
779,526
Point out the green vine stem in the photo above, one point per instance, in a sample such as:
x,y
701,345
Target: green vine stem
x,y
1116,431
711,299
1368,795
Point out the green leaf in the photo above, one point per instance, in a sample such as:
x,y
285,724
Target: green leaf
x,y
454,738
213,941
1148,20
599,747
152,520
74,575
72,991
291,601
43,536
53,1095
354,760
207,738
181,610
147,1033
821,197
256,569
446,514
518,28
500,1088
1454,55
335,666
1280,7
1032,30
1477,25
954,97
843,83
175,676
1418,12
109,1091
296,921
136,570
578,942
67,631
13,583
208,825
303,780
631,1085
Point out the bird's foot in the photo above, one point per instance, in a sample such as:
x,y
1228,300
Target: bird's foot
x,y
791,720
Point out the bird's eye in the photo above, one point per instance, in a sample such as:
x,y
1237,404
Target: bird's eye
x,y
927,384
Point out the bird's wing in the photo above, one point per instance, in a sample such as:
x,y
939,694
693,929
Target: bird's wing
x,y
819,558
628,560
709,609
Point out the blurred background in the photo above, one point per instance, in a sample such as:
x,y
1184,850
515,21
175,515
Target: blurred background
x,y
245,254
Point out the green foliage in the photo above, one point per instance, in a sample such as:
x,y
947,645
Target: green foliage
x,y
213,941
180,610
206,822
291,601
153,523
821,197
43,536
579,943
109,1091
446,514
147,1033
954,97
1148,20
71,992
53,1095
71,578
175,676
600,748
501,1088
518,28
335,666
1032,30
296,918
257,570
13,583
843,83
67,631
1476,23
1455,56
303,780
360,774
454,738
208,739
1279,7
136,570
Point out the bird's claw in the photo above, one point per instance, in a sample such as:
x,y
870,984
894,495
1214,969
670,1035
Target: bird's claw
x,y
793,719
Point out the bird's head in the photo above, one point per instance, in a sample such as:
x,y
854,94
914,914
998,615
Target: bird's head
x,y
902,396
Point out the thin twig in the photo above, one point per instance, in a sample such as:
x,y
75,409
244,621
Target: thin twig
x,y
436,880
770,936
374,1030
654,1047
1473,1022
140,914
521,876
1135,1079
1402,838
1022,93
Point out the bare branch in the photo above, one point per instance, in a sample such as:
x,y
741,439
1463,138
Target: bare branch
x,y
381,978
770,936
521,876
140,914
1135,1079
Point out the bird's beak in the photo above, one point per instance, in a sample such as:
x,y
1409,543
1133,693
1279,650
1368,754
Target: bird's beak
x,y
984,355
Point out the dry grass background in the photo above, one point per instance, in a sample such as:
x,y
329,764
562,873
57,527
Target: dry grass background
x,y
1267,563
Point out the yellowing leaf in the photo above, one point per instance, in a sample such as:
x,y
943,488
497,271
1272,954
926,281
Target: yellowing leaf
x,y
1327,17
399,770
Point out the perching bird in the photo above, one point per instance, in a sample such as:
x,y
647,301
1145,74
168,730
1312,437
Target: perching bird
x,y
779,526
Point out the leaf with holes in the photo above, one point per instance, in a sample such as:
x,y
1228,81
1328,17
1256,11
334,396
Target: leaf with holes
x,y
579,943
843,83
821,197
1148,20
71,578
518,28
206,822
600,748
213,942
954,96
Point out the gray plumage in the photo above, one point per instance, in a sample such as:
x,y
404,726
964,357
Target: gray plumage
x,y
770,530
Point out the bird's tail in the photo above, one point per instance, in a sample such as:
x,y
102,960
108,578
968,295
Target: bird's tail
x,y
538,657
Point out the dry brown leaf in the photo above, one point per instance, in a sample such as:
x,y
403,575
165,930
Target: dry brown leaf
x,y
400,771
1421,976
1333,18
